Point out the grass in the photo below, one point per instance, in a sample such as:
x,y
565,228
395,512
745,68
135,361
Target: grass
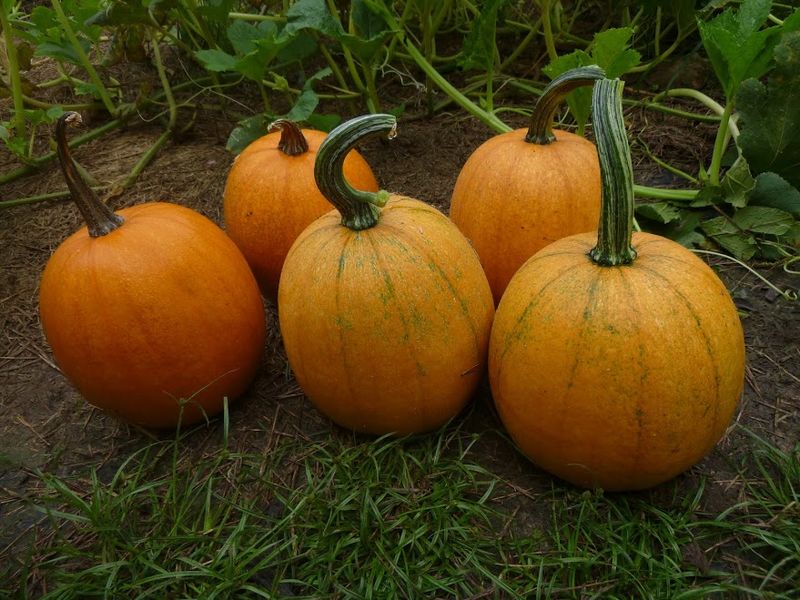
x,y
412,518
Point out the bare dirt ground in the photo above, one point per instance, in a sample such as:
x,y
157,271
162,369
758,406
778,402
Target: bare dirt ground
x,y
44,423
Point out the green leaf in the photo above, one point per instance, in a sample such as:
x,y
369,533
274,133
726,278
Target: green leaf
x,y
736,45
324,122
247,131
737,183
312,14
304,105
773,190
742,245
662,212
770,137
216,60
244,35
763,219
301,46
369,32
479,45
611,53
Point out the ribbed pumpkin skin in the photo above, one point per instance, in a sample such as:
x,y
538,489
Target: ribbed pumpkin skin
x,y
389,332
271,197
165,307
616,377
511,199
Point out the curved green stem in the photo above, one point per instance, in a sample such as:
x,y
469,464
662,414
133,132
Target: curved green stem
x,y
616,207
85,62
359,209
547,26
100,219
448,88
786,294
540,130
720,143
292,141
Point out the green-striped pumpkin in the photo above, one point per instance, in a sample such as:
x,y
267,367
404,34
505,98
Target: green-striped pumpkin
x,y
616,362
385,312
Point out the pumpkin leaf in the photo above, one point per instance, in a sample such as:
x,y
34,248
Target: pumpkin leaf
x,y
773,190
737,183
736,44
308,100
763,219
725,233
244,36
324,122
247,131
312,14
610,51
663,212
770,138
479,45
216,60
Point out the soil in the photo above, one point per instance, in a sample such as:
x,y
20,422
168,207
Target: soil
x,y
45,425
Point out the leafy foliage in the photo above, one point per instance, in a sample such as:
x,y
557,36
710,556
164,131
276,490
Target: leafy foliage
x,y
610,50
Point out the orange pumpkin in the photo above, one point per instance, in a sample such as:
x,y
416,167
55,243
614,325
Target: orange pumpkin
x,y
270,196
616,361
524,189
385,313
148,306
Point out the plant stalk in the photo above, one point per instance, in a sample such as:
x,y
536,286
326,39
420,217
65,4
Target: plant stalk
x,y
85,62
616,207
359,209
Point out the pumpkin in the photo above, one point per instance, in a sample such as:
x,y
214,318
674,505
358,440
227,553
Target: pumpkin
x,y
616,359
151,312
384,309
524,189
270,196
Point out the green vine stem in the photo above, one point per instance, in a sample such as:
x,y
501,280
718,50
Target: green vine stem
x,y
173,117
85,62
359,209
787,294
430,71
616,207
100,219
13,72
540,130
292,141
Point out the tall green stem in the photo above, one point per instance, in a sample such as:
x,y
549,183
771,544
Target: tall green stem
x,y
720,143
547,26
616,207
540,130
359,209
13,71
100,219
85,62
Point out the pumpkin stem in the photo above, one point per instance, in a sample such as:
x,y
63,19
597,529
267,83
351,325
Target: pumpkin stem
x,y
540,130
616,206
100,220
292,141
359,209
